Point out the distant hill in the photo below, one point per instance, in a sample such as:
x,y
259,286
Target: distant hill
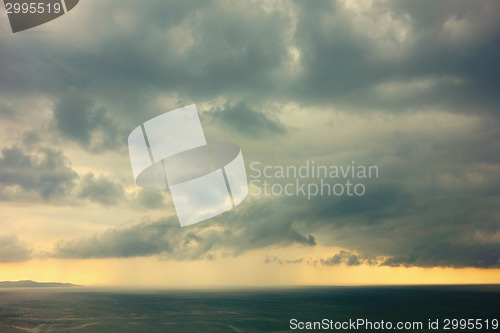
x,y
33,284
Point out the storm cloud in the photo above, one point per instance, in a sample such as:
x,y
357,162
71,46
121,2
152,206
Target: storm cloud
x,y
100,190
411,87
164,237
242,119
45,172
81,121
13,250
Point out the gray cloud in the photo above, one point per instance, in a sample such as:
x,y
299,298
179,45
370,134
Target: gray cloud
x,y
46,173
206,50
151,199
436,202
79,120
277,260
394,55
140,240
165,237
447,230
343,257
387,227
425,54
100,190
13,250
243,119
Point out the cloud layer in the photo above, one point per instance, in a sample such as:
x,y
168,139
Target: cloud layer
x,y
411,87
13,250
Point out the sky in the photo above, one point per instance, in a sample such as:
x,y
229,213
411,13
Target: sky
x,y
411,87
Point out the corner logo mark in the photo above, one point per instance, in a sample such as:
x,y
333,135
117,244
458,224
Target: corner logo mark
x,y
205,179
25,14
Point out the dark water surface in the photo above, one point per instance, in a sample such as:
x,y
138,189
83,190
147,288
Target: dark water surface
x,y
237,310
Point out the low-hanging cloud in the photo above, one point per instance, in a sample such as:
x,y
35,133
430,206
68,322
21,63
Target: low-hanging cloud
x,y
79,120
163,237
45,172
242,119
13,250
311,63
100,190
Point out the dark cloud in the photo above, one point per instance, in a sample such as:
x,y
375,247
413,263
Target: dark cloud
x,y
242,119
447,254
392,228
196,49
78,119
100,190
436,203
343,257
13,250
400,55
140,240
234,234
151,199
46,172
390,56
277,260
432,229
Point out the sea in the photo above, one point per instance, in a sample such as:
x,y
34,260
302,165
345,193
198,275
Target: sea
x,y
471,308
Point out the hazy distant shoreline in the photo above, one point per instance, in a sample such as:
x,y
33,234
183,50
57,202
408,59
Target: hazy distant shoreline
x,y
33,284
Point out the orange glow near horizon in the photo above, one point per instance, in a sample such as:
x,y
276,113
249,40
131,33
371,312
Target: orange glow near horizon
x,y
249,270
